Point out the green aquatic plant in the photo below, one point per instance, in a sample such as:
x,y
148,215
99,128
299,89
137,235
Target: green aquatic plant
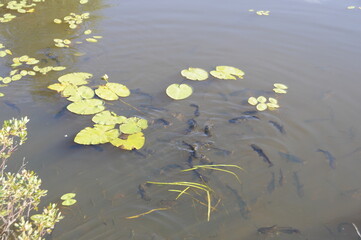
x,y
190,186
280,88
62,43
217,167
68,199
73,20
179,91
99,134
129,142
195,74
112,91
262,104
227,72
3,51
86,106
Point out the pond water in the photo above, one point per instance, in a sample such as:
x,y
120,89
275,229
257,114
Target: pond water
x,y
312,46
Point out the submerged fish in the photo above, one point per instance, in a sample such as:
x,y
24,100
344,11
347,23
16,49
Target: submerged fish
x,y
143,193
272,183
243,208
280,178
250,112
162,121
244,117
262,154
192,124
278,126
61,113
297,183
12,105
275,230
331,159
196,111
290,157
207,131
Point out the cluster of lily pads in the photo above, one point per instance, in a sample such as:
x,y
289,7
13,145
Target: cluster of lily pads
x,y
120,131
260,12
18,6
261,102
182,91
4,52
73,20
62,43
68,199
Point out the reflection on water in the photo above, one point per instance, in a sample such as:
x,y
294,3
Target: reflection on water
x,y
312,48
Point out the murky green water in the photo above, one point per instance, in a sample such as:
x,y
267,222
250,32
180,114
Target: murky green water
x,y
311,46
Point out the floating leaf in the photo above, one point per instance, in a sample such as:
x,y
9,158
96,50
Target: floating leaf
x,y
179,91
68,196
91,40
87,32
83,92
273,100
59,87
83,1
59,68
222,75
1,94
111,91
253,101
57,21
68,202
195,74
98,134
134,141
77,78
261,106
278,90
262,99
230,70
133,125
108,118
86,107
280,86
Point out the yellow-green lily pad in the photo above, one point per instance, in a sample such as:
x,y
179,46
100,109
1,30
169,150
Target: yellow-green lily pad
x,y
253,101
133,125
230,70
134,141
262,99
77,78
68,202
179,91
68,196
98,134
222,75
261,106
195,74
86,107
280,86
278,90
112,91
82,92
108,118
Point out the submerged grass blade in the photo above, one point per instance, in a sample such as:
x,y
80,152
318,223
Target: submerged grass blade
x,y
214,167
145,213
181,193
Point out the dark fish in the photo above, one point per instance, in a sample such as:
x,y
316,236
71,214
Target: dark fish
x,y
193,149
195,171
275,230
12,105
280,178
290,157
331,159
272,184
244,117
196,111
297,183
162,121
207,131
251,112
143,193
192,124
243,208
261,154
61,113
278,126
53,57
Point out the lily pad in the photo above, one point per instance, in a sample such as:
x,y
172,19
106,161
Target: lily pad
x,y
98,134
222,75
68,196
82,92
112,91
230,70
261,106
280,86
133,125
77,78
253,101
108,118
86,107
195,74
134,141
179,91
68,202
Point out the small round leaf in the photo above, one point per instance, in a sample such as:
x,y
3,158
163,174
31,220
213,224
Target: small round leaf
x,y
179,91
